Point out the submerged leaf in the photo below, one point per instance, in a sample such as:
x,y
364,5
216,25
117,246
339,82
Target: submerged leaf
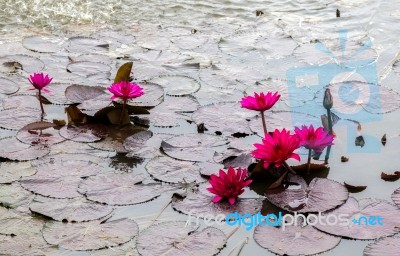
x,y
180,239
91,235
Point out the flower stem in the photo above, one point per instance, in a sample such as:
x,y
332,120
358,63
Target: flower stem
x,y
309,161
263,122
328,150
41,104
289,168
122,112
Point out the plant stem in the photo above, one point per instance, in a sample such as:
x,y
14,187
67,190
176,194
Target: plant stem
x,y
309,161
263,122
289,168
122,112
41,104
328,150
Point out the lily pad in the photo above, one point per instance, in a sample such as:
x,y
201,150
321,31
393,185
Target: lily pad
x,y
14,196
21,117
56,167
85,133
127,249
145,144
57,94
93,57
17,223
7,86
57,187
43,44
14,63
177,85
89,69
72,210
153,95
198,202
174,171
119,189
216,78
294,240
192,147
86,45
23,245
388,246
359,212
12,149
179,239
91,235
225,117
39,133
396,197
321,195
80,93
12,171
21,101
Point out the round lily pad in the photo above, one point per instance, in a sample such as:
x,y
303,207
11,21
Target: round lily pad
x,y
77,209
192,147
226,117
14,196
388,246
17,62
216,78
127,249
20,117
12,149
180,239
57,93
23,245
44,44
275,47
177,85
80,93
198,202
90,235
39,134
21,101
153,95
145,144
294,240
86,45
16,223
119,189
12,171
321,195
359,214
57,187
174,171
84,133
88,68
8,86
191,41
92,57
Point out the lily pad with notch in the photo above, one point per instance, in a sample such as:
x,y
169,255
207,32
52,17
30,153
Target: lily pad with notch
x,y
86,45
320,195
91,235
303,240
15,63
43,43
177,85
119,189
359,213
180,239
197,147
72,210
39,133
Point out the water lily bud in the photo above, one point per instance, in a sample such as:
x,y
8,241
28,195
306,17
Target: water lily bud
x,y
328,101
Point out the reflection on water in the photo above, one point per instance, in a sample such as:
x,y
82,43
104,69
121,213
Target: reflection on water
x,y
230,51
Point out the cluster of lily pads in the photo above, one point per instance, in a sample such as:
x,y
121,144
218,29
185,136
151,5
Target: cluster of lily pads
x,y
74,182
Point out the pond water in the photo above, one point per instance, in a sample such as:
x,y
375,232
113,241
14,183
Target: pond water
x,y
201,53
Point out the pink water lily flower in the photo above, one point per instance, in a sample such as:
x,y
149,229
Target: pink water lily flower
x,y
260,102
315,139
277,148
39,81
228,185
125,90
